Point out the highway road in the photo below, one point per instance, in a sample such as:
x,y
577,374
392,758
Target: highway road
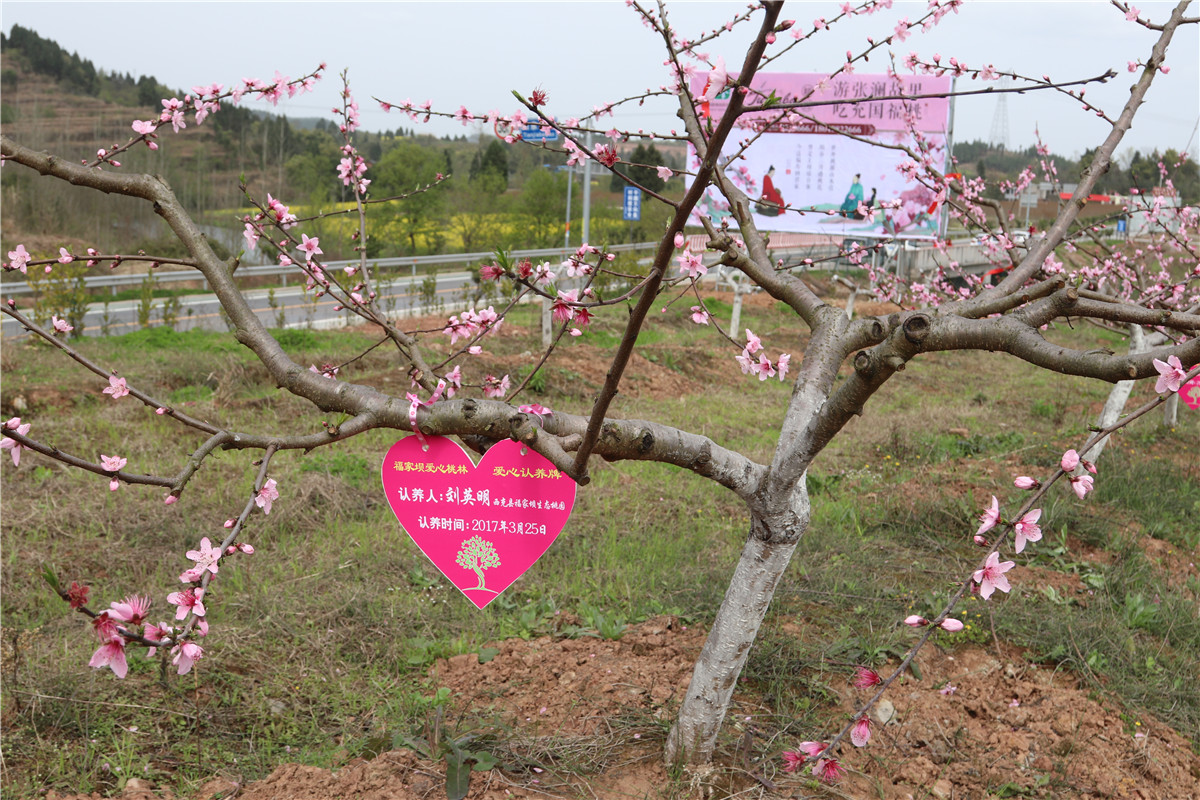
x,y
402,297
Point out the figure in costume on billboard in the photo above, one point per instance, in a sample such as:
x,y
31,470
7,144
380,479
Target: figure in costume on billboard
x,y
853,197
771,203
870,204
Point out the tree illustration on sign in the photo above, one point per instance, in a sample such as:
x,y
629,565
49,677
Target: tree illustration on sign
x,y
478,555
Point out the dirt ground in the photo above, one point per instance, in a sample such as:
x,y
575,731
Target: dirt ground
x,y
1006,729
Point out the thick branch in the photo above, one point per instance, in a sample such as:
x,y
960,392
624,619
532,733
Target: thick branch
x,y
1011,335
665,250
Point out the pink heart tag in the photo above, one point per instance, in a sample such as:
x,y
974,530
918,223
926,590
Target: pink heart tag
x,y
1189,393
484,526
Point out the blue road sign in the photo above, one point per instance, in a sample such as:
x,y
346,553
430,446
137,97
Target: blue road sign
x,y
533,132
633,204
1120,226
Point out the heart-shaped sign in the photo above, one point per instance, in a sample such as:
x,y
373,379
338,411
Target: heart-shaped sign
x,y
482,526
1190,393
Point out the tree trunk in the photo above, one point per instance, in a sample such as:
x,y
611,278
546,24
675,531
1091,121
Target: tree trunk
x,y
1171,411
735,320
763,561
1118,397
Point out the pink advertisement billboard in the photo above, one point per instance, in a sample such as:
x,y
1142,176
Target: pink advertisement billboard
x,y
818,170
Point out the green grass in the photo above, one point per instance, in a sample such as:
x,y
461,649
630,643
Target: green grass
x,y
321,640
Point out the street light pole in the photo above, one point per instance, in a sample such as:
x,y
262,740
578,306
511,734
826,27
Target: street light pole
x,y
570,181
587,190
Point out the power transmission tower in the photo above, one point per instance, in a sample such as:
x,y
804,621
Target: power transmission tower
x,y
999,137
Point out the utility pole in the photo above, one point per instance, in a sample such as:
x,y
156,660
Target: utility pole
x,y
570,181
587,190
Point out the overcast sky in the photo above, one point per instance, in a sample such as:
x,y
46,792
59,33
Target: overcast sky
x,y
584,54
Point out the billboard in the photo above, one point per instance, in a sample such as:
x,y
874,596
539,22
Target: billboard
x,y
809,171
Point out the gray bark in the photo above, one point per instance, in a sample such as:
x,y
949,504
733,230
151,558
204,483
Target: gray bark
x,y
764,559
1118,397
1171,411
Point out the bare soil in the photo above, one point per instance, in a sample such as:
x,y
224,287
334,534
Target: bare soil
x,y
979,724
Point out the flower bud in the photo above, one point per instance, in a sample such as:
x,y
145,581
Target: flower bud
x,y
951,625
982,541
228,523
1025,482
245,548
916,621
170,499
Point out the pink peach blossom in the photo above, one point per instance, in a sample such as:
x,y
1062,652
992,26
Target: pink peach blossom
x,y
116,387
1026,529
190,599
267,495
132,609
1082,485
860,734
989,518
12,445
865,678
206,557
111,654
991,577
1170,375
186,655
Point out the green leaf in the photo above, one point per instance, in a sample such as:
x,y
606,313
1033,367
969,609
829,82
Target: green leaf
x,y
51,578
771,100
487,654
914,669
458,776
400,741
484,761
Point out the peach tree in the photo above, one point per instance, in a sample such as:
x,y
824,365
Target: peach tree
x,y
949,309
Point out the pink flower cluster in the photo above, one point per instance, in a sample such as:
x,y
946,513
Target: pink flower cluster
x,y
132,613
494,387
471,323
205,100
763,367
351,169
566,308
826,770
